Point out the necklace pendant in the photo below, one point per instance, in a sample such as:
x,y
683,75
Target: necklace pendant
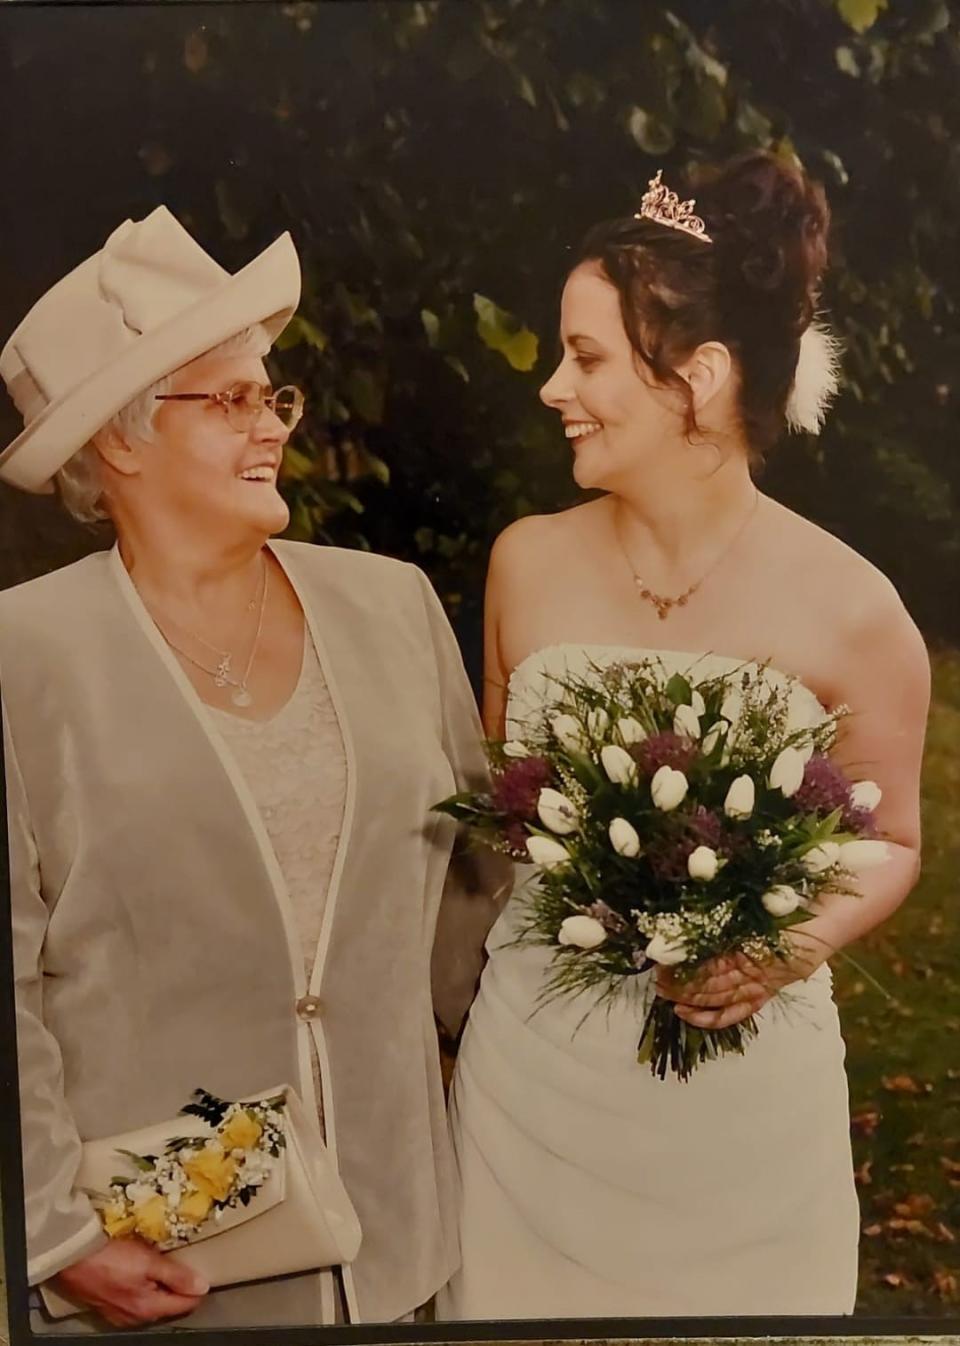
x,y
241,697
223,668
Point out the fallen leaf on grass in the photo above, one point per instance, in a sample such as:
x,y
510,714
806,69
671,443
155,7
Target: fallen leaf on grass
x,y
897,1280
951,1166
904,1084
865,1123
917,1140
944,1283
944,1234
862,1175
902,1168
918,1203
915,1228
871,1231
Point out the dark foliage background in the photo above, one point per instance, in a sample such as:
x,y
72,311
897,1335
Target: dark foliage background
x,y
435,160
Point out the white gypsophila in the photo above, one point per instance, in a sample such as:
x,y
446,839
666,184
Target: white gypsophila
x,y
138,1191
710,923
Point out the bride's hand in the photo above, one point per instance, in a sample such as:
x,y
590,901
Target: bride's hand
x,y
728,990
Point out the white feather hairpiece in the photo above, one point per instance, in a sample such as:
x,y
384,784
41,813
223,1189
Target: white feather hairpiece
x,y
816,381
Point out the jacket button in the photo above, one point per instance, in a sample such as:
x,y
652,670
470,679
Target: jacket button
x,y
308,1007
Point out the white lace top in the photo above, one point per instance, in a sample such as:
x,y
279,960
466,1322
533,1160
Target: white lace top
x,y
295,767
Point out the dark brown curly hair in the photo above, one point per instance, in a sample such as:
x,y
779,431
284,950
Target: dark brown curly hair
x,y
754,287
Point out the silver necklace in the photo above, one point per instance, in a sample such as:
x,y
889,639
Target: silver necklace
x,y
221,675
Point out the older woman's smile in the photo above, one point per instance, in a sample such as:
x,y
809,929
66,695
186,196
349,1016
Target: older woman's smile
x,y
262,472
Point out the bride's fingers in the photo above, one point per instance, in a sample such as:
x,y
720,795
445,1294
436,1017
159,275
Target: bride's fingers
x,y
719,1018
743,991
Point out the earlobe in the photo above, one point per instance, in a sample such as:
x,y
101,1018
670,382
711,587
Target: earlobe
x,y
116,452
707,373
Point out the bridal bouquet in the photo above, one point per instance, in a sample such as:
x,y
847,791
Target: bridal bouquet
x,y
671,822
170,1196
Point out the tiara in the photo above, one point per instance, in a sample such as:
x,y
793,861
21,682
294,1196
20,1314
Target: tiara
x,y
660,204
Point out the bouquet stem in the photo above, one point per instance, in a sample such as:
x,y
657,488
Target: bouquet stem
x,y
669,1043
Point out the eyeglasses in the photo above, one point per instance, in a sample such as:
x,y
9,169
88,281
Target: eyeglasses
x,y
244,403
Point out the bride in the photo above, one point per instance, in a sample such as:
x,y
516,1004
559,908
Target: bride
x,y
590,1188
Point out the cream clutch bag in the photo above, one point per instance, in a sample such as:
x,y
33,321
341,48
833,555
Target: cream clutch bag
x,y
299,1219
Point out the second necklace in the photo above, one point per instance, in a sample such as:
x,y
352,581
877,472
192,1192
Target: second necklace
x,y
663,604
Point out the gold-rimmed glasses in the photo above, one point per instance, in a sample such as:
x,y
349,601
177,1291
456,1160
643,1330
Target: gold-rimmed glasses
x,y
244,403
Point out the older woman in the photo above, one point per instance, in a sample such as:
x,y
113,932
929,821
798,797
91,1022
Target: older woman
x,y
220,751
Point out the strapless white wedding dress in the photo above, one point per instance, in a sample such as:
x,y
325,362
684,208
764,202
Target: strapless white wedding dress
x,y
589,1188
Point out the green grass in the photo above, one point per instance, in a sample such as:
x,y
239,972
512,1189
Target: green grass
x,y
905,1142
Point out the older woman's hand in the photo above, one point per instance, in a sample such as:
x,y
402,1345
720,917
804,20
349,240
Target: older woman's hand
x,y
130,1283
728,990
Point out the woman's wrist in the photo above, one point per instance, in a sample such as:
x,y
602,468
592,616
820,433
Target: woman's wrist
x,y
815,942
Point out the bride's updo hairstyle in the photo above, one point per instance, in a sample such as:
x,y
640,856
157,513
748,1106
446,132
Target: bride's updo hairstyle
x,y
753,287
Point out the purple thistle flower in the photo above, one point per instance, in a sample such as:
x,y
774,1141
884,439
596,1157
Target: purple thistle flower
x,y
669,863
824,787
665,749
515,835
860,821
700,827
706,828
517,788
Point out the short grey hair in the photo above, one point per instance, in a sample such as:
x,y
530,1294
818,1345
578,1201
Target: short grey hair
x,y
79,483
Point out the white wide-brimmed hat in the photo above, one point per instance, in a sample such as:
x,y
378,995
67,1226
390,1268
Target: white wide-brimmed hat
x,y
148,302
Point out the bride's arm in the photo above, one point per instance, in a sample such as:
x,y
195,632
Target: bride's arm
x,y
495,675
883,675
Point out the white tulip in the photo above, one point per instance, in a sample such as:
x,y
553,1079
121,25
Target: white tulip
x,y
568,732
686,722
732,706
866,794
546,852
859,856
618,764
514,748
624,838
666,951
703,863
821,857
668,788
583,931
786,774
781,900
630,730
598,722
557,812
712,737
698,703
741,798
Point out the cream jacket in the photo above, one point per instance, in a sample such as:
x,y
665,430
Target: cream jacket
x,y
154,943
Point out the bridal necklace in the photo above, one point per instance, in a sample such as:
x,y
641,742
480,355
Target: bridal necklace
x,y
222,673
664,605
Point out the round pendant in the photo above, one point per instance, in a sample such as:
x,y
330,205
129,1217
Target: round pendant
x,y
241,697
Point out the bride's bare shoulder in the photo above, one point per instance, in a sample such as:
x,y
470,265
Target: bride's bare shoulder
x,y
536,541
849,589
